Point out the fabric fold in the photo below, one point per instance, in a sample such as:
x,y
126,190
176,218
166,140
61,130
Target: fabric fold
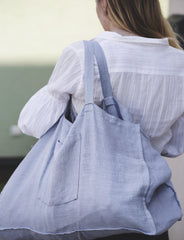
x,y
41,112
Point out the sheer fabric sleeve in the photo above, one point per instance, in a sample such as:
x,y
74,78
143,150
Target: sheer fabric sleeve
x,y
175,146
46,106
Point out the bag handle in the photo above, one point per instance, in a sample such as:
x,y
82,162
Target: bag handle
x,y
93,48
103,69
109,104
89,73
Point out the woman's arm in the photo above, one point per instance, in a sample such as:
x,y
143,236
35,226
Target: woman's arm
x,y
46,106
175,146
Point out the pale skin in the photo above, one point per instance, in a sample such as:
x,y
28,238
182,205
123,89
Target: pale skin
x,y
101,9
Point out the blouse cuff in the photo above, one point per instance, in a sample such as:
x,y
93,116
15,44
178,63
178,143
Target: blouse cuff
x,y
41,112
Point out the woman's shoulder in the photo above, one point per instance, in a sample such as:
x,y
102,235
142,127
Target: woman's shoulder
x,y
73,52
179,52
176,57
76,47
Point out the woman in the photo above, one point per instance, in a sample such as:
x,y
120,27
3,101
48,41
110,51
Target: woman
x,y
145,63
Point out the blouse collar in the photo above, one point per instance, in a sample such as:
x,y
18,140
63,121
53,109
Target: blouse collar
x,y
135,39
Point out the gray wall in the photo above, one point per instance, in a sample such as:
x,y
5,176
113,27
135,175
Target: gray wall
x,y
177,167
176,6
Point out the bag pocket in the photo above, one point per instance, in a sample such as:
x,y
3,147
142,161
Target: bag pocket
x,y
60,182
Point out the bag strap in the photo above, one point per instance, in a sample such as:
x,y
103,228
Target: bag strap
x,y
89,73
109,103
103,69
93,48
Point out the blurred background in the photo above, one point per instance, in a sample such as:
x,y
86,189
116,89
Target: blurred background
x,y
33,34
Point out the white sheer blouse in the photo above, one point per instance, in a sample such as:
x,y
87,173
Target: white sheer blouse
x,y
147,77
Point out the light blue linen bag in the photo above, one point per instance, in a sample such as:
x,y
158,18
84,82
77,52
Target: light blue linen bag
x,y
91,175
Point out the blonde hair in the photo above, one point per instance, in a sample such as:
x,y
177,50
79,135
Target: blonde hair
x,y
141,17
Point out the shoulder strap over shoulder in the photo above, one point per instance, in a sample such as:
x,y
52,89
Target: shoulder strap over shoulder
x,y
93,48
89,73
109,103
